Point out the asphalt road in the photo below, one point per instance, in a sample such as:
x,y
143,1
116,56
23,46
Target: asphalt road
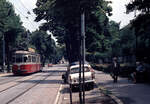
x,y
37,88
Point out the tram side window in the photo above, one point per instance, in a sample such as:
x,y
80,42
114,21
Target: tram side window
x,y
38,59
25,59
29,58
33,59
18,59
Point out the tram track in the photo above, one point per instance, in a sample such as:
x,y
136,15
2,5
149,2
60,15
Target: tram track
x,y
16,83
29,88
9,80
10,84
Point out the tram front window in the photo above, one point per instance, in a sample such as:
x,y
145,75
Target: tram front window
x,y
13,59
18,59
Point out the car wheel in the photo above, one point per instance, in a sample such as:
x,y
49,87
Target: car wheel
x,y
91,86
65,80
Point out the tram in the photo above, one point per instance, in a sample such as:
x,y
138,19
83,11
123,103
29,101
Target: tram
x,y
25,62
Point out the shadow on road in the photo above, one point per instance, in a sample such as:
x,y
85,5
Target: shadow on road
x,y
127,100
42,81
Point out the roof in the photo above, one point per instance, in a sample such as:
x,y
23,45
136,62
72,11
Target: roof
x,y
22,52
77,63
75,66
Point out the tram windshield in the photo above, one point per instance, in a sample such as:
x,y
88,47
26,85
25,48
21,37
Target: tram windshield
x,y
18,59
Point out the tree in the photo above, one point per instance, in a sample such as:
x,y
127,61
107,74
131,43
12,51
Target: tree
x,y
44,45
128,41
10,27
141,27
63,20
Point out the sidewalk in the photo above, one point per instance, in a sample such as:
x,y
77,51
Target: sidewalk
x,y
4,74
125,90
91,97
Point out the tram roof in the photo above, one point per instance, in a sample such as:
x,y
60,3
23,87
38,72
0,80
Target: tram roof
x,y
24,52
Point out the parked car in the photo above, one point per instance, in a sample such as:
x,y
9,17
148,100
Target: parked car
x,y
50,65
72,76
65,75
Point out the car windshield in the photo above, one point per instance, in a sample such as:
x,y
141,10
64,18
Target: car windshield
x,y
76,70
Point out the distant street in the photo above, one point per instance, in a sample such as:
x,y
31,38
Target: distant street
x,y
38,88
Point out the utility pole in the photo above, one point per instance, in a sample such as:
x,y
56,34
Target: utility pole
x,y
70,93
83,50
80,63
3,68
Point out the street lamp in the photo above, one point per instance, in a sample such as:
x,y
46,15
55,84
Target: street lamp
x,y
83,50
3,68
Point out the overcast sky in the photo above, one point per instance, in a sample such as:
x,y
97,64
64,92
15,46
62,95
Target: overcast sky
x,y
119,10
23,6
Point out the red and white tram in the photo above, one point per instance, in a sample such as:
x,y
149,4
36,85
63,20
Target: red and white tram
x,y
25,62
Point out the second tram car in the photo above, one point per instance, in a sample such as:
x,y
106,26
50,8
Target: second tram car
x,y
25,62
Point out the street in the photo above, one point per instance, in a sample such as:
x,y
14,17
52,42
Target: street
x,y
47,87
37,88
44,87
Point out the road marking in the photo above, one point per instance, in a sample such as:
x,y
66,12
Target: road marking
x,y
58,94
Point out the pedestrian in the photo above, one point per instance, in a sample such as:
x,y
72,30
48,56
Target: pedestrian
x,y
115,69
139,73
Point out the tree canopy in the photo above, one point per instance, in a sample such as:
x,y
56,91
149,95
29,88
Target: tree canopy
x,y
63,20
141,25
10,27
44,45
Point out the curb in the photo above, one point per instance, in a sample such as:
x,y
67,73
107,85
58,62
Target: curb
x,y
113,97
5,74
58,95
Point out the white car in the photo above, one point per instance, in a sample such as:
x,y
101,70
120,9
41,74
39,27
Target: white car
x,y
89,76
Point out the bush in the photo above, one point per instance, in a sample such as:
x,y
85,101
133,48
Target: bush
x,y
102,67
126,69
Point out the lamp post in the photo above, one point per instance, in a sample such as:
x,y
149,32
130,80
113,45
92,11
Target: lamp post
x,y
83,50
3,68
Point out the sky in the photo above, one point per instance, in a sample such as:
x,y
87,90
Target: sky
x,y
23,6
119,14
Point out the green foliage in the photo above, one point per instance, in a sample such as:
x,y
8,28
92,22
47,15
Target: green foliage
x,y
45,46
63,20
10,27
141,5
141,25
128,41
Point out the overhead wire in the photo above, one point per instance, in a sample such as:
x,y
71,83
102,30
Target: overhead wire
x,y
28,13
23,5
25,17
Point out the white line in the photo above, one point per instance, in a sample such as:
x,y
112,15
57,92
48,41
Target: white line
x,y
58,94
